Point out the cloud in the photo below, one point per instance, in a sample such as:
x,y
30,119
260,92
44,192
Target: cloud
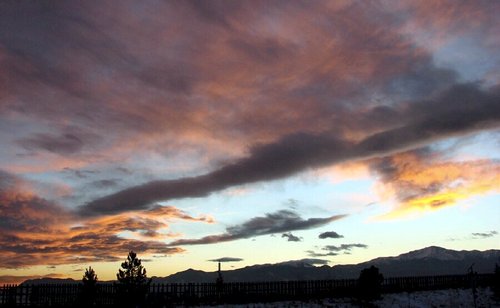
x,y
23,211
314,254
37,231
332,250
310,261
291,238
480,235
122,88
271,162
226,259
271,223
159,211
343,90
64,144
343,247
315,261
82,174
330,234
422,180
104,183
460,109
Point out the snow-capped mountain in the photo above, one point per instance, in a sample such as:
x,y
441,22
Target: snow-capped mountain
x,y
439,253
435,261
434,252
427,261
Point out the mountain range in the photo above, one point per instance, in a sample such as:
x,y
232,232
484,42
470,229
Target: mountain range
x,y
427,261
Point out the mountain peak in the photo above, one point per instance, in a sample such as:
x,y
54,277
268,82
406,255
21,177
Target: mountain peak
x,y
432,252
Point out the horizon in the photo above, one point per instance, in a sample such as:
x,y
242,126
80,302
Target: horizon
x,y
259,132
310,262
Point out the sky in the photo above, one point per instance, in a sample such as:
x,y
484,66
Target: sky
x,y
254,131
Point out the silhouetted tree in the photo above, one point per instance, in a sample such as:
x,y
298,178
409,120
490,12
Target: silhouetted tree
x,y
133,281
90,277
89,289
369,283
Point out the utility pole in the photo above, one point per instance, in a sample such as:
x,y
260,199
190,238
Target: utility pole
x,y
219,283
472,277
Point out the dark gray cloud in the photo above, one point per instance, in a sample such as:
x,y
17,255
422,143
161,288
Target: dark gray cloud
x,y
7,180
330,234
216,12
332,250
315,261
58,51
310,261
291,238
264,51
480,235
82,174
106,183
271,223
291,154
70,142
64,144
459,110
343,247
315,254
226,259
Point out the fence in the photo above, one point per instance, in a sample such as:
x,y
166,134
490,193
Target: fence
x,y
235,292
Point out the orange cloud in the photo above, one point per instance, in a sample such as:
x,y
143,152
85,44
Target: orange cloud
x,y
207,84
421,182
346,171
36,231
253,84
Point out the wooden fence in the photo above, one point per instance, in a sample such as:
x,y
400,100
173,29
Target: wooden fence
x,y
106,295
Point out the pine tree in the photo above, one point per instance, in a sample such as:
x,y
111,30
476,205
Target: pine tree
x,y
133,273
90,277
133,281
89,288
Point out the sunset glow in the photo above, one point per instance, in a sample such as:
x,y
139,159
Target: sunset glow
x,y
191,131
